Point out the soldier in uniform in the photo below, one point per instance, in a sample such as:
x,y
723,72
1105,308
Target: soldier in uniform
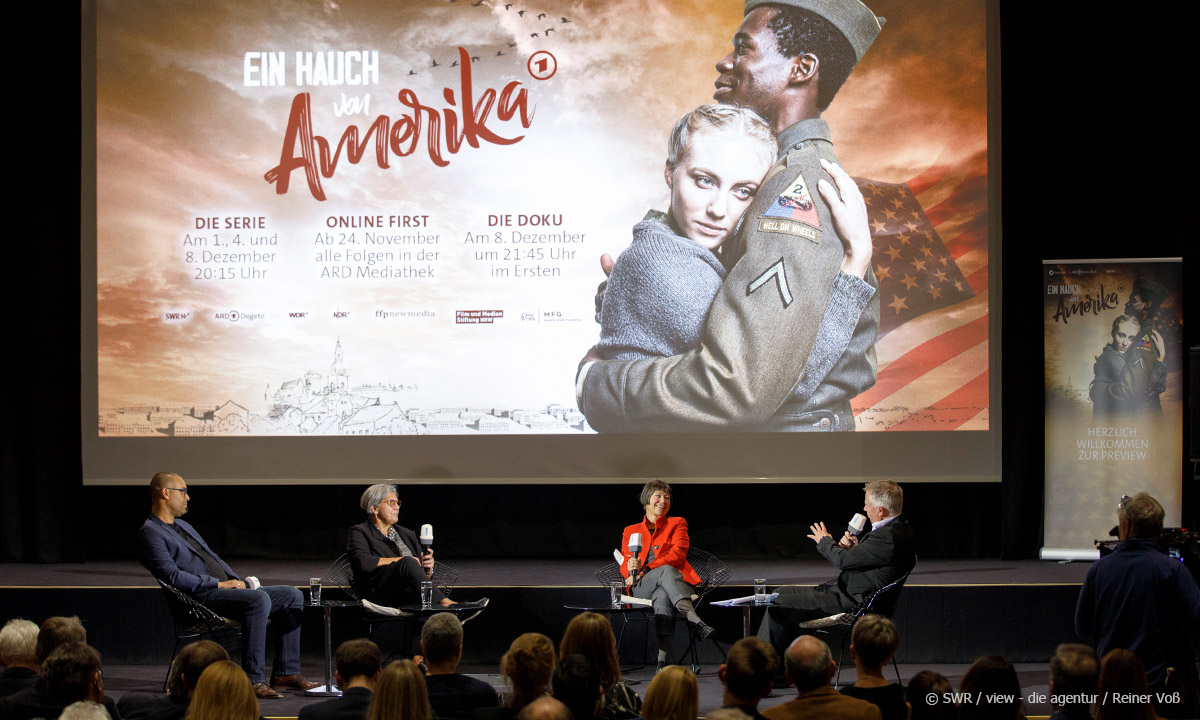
x,y
758,366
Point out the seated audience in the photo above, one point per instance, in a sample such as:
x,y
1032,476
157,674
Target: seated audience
x,y
873,641
1074,672
185,673
69,674
85,710
546,708
400,694
55,632
223,692
359,663
728,713
747,674
809,666
18,655
672,695
590,634
1122,671
577,685
921,687
527,668
991,683
452,695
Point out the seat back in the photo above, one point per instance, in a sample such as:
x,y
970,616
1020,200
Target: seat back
x,y
190,616
340,574
712,570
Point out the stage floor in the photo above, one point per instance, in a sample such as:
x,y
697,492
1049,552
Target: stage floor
x,y
499,573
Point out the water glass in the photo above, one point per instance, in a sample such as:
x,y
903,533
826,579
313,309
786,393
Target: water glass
x,y
426,594
615,590
314,591
760,591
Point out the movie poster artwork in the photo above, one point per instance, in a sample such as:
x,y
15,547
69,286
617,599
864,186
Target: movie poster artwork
x,y
371,217
1114,393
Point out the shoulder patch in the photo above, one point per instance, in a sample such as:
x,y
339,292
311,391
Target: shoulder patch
x,y
793,212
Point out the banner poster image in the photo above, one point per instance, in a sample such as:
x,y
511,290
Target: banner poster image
x,y
369,217
1114,393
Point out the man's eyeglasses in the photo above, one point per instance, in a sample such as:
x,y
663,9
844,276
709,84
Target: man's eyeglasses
x,y
179,490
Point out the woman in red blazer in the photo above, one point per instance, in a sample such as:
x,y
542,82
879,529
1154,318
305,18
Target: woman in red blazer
x,y
660,572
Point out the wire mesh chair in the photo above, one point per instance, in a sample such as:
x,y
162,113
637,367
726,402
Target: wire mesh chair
x,y
881,602
192,619
713,574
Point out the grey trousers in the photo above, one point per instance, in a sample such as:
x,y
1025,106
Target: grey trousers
x,y
664,586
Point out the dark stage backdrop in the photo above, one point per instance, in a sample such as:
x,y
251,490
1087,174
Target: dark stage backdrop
x,y
1095,147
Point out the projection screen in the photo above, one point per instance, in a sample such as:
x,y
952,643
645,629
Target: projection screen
x,y
338,241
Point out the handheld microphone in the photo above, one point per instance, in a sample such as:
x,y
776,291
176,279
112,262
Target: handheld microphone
x,y
856,525
426,537
635,549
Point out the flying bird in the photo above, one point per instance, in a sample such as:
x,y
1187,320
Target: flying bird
x,y
521,13
565,20
549,30
541,15
412,72
454,64
533,35
474,58
499,53
435,62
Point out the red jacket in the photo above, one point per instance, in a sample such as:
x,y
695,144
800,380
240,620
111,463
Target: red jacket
x,y
670,543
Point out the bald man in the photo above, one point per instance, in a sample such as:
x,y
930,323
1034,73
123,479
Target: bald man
x,y
809,666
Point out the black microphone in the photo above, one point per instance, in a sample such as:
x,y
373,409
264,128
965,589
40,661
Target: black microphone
x,y
635,549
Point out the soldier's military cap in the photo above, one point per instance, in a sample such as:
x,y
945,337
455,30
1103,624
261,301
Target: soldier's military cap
x,y
1149,291
852,18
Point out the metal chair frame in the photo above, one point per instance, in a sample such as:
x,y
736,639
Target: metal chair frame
x,y
881,602
713,574
192,619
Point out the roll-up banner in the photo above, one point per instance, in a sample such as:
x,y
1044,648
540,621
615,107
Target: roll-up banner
x,y
1114,395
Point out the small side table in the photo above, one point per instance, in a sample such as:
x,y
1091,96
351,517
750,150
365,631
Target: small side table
x,y
327,606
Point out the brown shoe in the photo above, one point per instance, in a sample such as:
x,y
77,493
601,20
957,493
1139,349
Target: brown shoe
x,y
263,691
291,682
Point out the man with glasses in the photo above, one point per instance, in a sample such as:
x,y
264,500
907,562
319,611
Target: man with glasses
x,y
175,553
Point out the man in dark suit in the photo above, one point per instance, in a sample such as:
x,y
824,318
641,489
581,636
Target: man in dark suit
x,y
882,555
18,655
810,667
358,665
175,553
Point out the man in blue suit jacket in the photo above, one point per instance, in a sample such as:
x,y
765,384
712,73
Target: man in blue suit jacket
x,y
175,553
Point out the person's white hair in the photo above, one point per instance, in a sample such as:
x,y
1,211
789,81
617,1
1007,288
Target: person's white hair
x,y
887,494
18,640
374,495
85,710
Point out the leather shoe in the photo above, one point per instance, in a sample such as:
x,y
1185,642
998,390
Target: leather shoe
x,y
263,691
292,682
703,631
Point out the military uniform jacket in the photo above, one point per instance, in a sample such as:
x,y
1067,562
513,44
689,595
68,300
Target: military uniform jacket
x,y
757,366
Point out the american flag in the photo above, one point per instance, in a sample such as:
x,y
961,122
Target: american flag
x,y
931,257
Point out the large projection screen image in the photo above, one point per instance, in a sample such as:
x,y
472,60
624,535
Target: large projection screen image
x,y
381,224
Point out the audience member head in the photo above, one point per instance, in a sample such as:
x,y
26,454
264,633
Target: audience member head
x,y
924,685
374,495
546,708
528,665
442,640
400,693
590,634
56,631
672,695
1074,671
359,662
992,683
1123,672
72,672
748,671
885,494
18,644
85,710
577,684
223,693
190,664
873,641
727,713
808,663
1140,517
